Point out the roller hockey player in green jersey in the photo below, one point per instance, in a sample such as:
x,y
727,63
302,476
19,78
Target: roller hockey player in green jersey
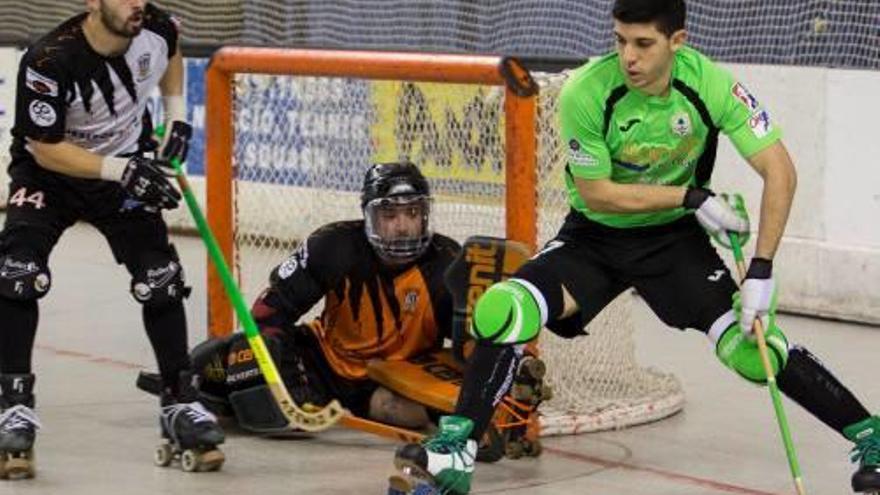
x,y
641,129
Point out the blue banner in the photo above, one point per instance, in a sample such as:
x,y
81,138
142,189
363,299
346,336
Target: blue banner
x,y
195,113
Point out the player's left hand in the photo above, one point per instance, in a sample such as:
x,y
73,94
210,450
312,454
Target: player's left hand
x,y
175,144
756,297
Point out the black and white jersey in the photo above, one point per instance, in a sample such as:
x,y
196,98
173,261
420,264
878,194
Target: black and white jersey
x,y
68,92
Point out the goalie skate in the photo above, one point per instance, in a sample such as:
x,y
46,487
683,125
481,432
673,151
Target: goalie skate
x,y
517,412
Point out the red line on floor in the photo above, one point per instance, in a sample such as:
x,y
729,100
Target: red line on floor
x,y
669,475
90,358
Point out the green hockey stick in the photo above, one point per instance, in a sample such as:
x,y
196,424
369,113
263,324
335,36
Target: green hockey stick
x,y
297,417
784,430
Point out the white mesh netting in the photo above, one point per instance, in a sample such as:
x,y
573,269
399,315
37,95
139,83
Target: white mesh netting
x,y
839,33
302,145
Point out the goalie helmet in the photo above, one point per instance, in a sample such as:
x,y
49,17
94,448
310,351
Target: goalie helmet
x,y
396,201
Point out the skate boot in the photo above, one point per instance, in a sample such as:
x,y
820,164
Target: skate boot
x,y
190,431
18,426
207,362
442,464
515,414
866,435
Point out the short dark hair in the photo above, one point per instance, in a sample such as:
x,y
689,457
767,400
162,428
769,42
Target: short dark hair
x,y
667,15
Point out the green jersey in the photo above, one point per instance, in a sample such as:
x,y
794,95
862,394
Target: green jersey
x,y
613,131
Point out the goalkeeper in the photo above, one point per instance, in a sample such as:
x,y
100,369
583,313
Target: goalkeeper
x,y
381,279
641,127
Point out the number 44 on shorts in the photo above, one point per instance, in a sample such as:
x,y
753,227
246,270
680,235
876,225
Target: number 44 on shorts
x,y
21,198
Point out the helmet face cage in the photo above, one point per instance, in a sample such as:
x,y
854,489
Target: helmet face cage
x,y
395,198
399,227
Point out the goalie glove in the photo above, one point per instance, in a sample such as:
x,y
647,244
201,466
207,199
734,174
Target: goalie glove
x,y
756,297
143,179
719,214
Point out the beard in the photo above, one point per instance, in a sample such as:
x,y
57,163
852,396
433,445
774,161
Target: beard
x,y
119,26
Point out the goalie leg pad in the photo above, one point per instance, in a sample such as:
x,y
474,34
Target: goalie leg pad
x,y
242,370
256,410
510,312
208,359
23,277
740,353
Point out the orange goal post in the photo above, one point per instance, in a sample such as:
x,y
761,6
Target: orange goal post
x,y
289,133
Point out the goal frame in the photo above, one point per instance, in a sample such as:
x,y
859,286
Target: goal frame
x,y
520,107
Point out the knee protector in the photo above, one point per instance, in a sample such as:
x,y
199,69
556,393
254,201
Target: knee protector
x,y
22,278
160,283
509,312
741,354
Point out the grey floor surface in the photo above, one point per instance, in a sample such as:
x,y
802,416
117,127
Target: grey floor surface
x,y
99,431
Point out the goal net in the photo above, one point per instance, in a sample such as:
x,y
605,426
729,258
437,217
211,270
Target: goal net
x,y
291,133
839,33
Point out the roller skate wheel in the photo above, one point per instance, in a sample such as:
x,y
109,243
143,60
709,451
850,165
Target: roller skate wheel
x,y
399,485
163,455
189,461
18,465
514,450
212,460
533,448
535,368
405,484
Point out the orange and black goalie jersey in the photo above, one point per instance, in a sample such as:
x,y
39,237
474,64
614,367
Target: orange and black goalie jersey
x,y
371,310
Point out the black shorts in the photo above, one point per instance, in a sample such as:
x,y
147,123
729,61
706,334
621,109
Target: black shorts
x,y
42,205
674,267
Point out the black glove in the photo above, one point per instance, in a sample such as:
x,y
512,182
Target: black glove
x,y
176,142
145,180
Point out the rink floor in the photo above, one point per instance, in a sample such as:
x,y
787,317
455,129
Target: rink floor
x,y
100,431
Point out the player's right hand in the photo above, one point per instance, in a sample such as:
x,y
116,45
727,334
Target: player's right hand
x,y
715,214
147,180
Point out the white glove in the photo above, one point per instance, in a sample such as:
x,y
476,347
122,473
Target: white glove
x,y
757,297
757,300
714,214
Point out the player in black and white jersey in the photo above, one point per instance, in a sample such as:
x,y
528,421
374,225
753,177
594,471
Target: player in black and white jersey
x,y
82,150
